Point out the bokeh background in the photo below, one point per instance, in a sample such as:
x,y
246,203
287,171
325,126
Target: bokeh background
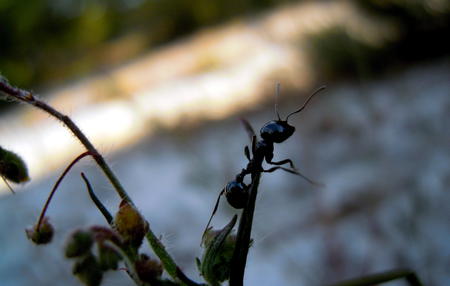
x,y
159,87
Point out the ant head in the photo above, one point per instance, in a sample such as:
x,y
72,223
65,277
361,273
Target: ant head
x,y
279,130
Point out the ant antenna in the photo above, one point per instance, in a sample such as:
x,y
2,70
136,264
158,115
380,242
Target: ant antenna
x,y
277,94
306,102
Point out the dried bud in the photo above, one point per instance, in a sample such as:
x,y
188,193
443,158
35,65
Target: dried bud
x,y
219,246
12,167
88,271
130,224
108,258
79,243
148,270
43,235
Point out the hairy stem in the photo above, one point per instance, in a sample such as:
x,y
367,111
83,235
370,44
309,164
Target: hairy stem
x,y
27,97
240,253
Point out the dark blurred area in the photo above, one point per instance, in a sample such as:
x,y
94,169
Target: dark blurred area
x,y
45,42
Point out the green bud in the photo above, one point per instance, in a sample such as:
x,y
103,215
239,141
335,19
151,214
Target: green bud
x,y
219,246
108,258
79,243
88,270
12,167
130,224
148,270
43,235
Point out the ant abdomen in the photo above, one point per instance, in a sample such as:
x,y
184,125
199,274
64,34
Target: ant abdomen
x,y
236,194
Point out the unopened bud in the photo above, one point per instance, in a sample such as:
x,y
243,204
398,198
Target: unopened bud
x,y
79,243
41,235
12,167
130,224
88,271
148,270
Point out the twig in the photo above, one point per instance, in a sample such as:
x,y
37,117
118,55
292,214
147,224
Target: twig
x,y
240,253
27,97
383,277
55,187
96,201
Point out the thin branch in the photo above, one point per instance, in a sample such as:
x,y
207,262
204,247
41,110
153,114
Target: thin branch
x,y
383,277
55,187
240,253
96,201
27,97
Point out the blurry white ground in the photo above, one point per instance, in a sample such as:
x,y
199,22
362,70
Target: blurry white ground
x,y
381,148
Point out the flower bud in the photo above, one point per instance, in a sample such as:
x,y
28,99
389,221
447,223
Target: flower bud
x,y
130,224
79,243
148,270
43,235
12,167
219,246
88,270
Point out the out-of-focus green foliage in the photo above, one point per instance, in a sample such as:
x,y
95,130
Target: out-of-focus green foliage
x,y
45,41
422,32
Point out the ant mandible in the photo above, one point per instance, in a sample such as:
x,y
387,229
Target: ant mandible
x,y
274,131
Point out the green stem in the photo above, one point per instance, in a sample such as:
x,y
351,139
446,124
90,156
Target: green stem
x,y
96,201
240,253
27,97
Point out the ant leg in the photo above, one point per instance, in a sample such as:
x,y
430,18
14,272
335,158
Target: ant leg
x,y
248,128
247,153
213,213
253,144
282,162
295,172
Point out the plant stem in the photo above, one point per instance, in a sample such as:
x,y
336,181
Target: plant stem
x,y
383,277
55,187
27,97
96,201
240,253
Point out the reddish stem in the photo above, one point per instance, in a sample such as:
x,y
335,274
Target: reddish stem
x,y
55,187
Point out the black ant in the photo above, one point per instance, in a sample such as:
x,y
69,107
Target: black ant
x,y
274,131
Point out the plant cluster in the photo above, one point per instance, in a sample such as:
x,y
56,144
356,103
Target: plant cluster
x,y
98,249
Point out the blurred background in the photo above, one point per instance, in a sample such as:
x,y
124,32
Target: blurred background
x,y
159,87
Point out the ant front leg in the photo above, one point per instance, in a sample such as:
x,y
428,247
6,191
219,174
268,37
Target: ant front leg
x,y
295,172
269,157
